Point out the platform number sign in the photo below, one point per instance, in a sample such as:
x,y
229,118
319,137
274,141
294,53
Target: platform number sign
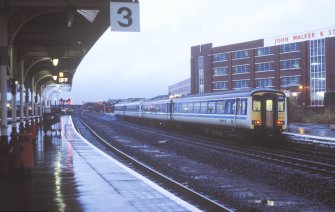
x,y
125,17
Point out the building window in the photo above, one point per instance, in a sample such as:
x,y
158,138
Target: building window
x,y
267,82
241,69
219,57
220,86
201,74
318,71
264,67
220,71
264,51
291,81
240,54
291,47
238,84
290,64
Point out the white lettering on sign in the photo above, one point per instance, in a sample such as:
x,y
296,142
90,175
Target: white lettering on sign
x,y
63,80
125,17
299,37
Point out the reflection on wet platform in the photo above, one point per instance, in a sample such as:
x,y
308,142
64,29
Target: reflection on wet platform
x,y
70,175
48,186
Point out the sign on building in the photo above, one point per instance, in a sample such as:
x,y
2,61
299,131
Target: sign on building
x,y
300,37
125,17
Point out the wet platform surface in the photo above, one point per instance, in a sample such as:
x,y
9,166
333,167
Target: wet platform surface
x,y
70,174
312,130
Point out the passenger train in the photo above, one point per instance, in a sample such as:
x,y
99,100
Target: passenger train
x,y
262,109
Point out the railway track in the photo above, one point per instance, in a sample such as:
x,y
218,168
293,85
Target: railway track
x,y
312,162
279,166
198,199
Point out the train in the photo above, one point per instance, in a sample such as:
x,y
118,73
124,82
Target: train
x,y
262,110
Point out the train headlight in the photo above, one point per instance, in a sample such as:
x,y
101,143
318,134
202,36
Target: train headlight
x,y
280,123
256,122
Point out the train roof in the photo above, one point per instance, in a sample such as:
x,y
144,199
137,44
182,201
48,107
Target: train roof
x,y
129,103
166,100
207,96
229,94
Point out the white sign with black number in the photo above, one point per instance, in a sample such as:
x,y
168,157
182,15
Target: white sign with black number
x,y
125,17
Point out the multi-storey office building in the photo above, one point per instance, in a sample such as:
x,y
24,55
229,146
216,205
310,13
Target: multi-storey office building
x,y
302,65
181,88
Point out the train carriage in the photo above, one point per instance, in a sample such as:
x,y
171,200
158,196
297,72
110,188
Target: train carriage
x,y
119,110
128,110
248,108
158,110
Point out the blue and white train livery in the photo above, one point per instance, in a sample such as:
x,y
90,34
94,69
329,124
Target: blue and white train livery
x,y
253,109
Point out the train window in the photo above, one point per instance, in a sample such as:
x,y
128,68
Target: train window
x,y
180,107
161,108
233,106
152,108
203,107
190,107
227,106
238,106
281,105
176,108
269,105
211,107
184,108
256,105
230,106
196,107
243,106
220,107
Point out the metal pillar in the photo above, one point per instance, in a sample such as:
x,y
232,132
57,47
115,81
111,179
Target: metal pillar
x,y
13,91
41,101
14,131
36,104
32,100
36,107
21,96
3,70
27,109
4,147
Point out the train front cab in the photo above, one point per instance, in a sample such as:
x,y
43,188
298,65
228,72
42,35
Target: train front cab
x,y
269,112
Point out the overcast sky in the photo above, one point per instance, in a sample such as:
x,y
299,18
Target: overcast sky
x,y
144,64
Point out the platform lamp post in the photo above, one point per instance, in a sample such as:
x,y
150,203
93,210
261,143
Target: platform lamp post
x,y
32,100
302,94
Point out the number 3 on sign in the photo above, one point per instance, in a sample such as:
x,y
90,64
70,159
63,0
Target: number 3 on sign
x,y
125,17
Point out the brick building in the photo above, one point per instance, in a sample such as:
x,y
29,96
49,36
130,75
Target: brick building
x,y
302,65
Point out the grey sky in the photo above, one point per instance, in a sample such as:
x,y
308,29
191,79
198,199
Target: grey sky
x,y
123,65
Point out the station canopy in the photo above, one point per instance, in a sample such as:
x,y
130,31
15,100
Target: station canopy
x,y
51,37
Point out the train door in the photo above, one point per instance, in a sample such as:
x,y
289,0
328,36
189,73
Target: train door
x,y
269,115
169,111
